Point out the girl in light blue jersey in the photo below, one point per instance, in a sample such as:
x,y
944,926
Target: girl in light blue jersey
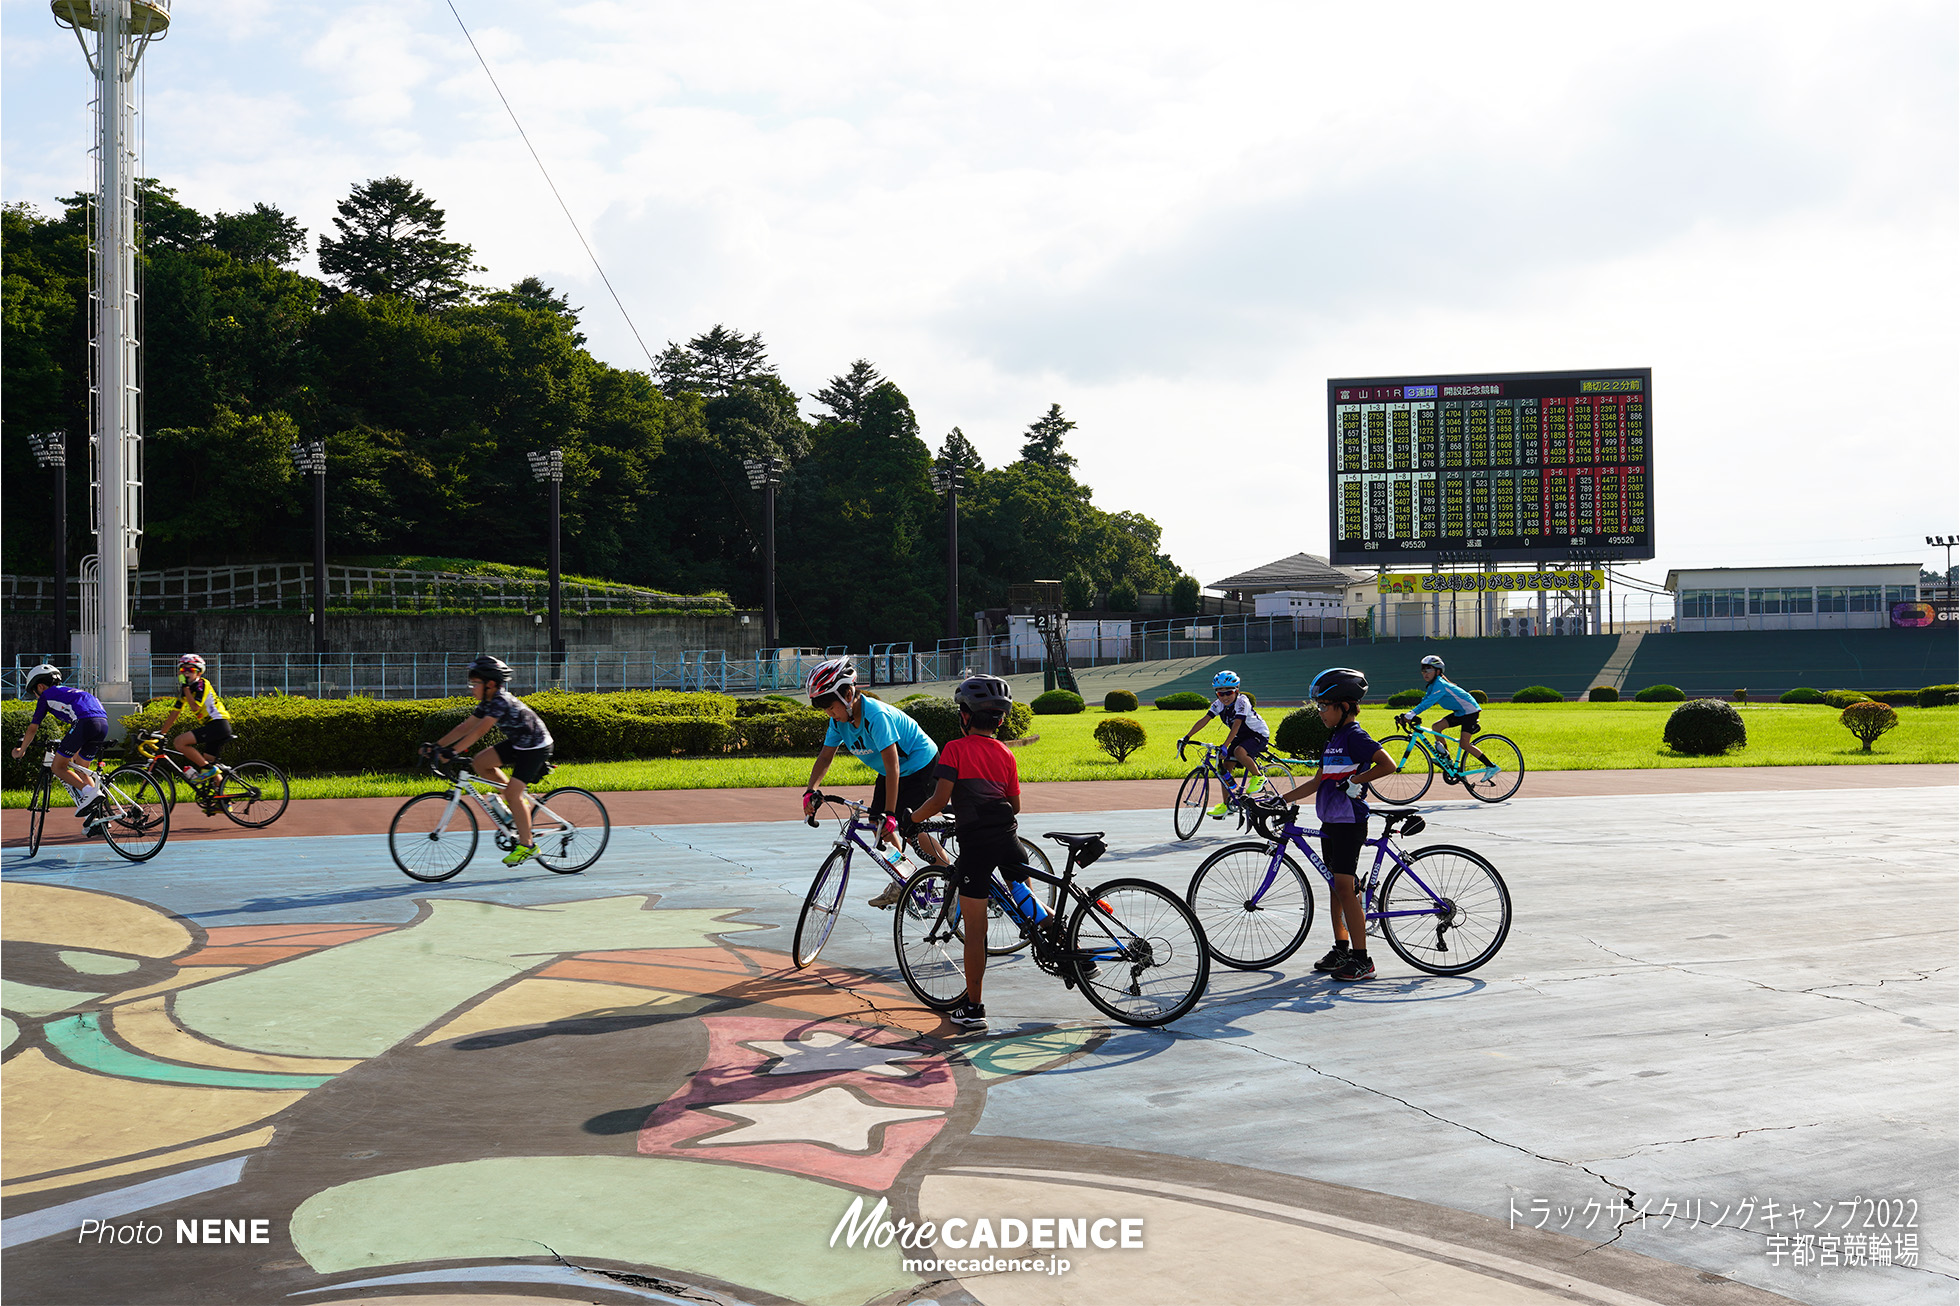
x,y
1464,710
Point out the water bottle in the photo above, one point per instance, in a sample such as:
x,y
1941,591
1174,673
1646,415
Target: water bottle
x,y
895,858
1026,901
498,806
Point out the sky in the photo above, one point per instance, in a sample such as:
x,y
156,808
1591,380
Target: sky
x,y
1177,225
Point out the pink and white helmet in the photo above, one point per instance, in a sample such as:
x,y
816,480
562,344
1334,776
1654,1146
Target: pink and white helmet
x,y
829,676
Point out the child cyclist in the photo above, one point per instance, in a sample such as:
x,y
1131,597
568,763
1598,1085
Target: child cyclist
x,y
1350,760
88,730
1246,735
196,696
884,739
526,749
977,776
1464,710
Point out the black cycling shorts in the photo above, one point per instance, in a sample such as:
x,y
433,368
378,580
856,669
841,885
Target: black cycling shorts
x,y
212,737
84,739
1254,744
913,790
527,764
1453,720
1340,844
982,852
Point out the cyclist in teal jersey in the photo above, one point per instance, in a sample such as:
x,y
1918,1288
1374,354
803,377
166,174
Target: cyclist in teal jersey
x,y
1464,710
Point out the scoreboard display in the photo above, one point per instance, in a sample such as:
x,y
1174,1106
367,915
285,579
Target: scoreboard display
x,y
1530,466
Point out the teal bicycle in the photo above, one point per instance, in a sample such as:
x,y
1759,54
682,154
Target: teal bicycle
x,y
1422,753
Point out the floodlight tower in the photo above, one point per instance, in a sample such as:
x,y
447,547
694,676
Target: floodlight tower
x,y
949,480
766,474
123,30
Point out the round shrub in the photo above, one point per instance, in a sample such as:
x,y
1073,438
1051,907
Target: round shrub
x,y
1123,596
938,717
1480,695
1843,698
1537,694
1181,700
1057,702
1801,695
1019,718
1405,698
1704,727
1934,695
1659,694
1602,694
1868,720
1302,733
1119,700
1119,736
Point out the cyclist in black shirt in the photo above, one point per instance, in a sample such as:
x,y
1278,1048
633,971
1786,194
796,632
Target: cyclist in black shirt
x,y
526,749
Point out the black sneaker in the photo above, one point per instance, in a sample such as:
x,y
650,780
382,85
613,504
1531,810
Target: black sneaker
x,y
1336,958
973,1015
1355,968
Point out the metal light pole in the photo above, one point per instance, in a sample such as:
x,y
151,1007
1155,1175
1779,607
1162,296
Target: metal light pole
x,y
549,468
123,30
51,451
1946,542
949,480
310,457
766,474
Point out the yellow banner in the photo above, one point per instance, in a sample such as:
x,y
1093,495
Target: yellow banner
x,y
1450,582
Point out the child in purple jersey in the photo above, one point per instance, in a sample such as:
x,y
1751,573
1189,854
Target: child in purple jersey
x,y
1350,760
88,730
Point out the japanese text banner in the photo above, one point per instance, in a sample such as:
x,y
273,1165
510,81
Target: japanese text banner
x,y
1473,581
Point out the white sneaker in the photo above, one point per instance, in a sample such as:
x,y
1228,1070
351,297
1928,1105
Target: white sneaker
x,y
889,898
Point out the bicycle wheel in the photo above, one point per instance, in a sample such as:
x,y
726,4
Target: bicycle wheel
x,y
1146,961
1275,778
166,777
1455,924
1245,931
931,955
138,819
37,809
255,794
1501,778
574,830
1193,797
428,840
820,907
1414,774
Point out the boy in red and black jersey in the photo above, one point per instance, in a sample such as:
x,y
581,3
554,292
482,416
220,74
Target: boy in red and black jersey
x,y
978,777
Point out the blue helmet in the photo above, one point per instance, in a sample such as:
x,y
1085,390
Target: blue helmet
x,y
1225,680
1339,685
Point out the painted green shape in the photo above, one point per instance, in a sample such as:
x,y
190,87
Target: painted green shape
x,y
8,1034
98,963
752,1228
1025,1053
80,1039
33,1000
360,999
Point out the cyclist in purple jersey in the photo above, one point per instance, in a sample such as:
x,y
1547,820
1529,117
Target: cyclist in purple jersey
x,y
88,730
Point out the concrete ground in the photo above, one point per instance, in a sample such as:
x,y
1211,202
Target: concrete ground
x,y
1714,1010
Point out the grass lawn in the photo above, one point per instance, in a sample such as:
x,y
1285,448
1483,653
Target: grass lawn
x,y
1554,737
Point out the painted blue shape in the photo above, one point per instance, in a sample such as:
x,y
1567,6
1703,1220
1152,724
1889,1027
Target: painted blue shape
x,y
51,1220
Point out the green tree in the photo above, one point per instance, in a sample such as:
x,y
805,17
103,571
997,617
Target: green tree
x,y
1185,594
714,363
847,396
261,234
1043,447
393,241
236,477
1078,591
958,451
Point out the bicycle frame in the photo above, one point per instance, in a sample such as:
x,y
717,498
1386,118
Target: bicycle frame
x,y
1437,745
1296,836
851,832
475,786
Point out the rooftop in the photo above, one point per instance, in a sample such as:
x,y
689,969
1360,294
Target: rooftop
x,y
1302,571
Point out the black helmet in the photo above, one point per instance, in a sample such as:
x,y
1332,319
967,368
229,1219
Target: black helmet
x,y
984,694
1338,685
489,668
45,674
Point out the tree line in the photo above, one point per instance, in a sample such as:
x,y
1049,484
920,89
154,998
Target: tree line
x,y
428,390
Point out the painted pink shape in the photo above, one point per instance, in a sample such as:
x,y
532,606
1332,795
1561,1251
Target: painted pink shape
x,y
733,1074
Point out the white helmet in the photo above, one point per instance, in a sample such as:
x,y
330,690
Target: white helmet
x,y
45,674
830,676
1433,662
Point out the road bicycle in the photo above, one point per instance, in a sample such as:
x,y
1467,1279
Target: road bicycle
x,y
856,832
134,819
1444,909
251,794
1134,948
433,836
1421,753
1194,795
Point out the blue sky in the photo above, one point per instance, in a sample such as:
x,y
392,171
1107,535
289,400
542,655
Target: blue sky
x,y
1175,225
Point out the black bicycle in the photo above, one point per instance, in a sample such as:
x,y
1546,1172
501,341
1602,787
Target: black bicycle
x,y
251,794
1133,947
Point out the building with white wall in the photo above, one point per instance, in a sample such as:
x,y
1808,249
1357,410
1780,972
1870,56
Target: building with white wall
x,y
1835,597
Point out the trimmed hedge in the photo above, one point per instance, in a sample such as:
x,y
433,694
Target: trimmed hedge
x,y
1868,720
1302,733
1057,702
784,732
1020,718
1537,694
1119,736
1704,727
938,717
1843,698
1659,694
1405,698
1602,694
1184,698
1935,695
1801,695
1895,697
1119,700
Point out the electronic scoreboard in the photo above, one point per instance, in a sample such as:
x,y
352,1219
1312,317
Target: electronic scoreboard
x,y
1527,466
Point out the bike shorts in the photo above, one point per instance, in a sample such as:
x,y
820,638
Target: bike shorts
x,y
84,739
1340,844
212,737
982,852
527,764
913,790
1454,720
1253,744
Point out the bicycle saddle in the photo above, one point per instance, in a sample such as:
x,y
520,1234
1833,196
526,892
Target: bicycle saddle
x,y
1086,848
1406,818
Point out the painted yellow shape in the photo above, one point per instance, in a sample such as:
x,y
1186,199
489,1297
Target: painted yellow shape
x,y
251,1142
51,913
183,979
146,1025
541,1001
57,1118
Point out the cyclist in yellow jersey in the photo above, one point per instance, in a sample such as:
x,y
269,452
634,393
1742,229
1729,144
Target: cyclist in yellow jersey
x,y
196,696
